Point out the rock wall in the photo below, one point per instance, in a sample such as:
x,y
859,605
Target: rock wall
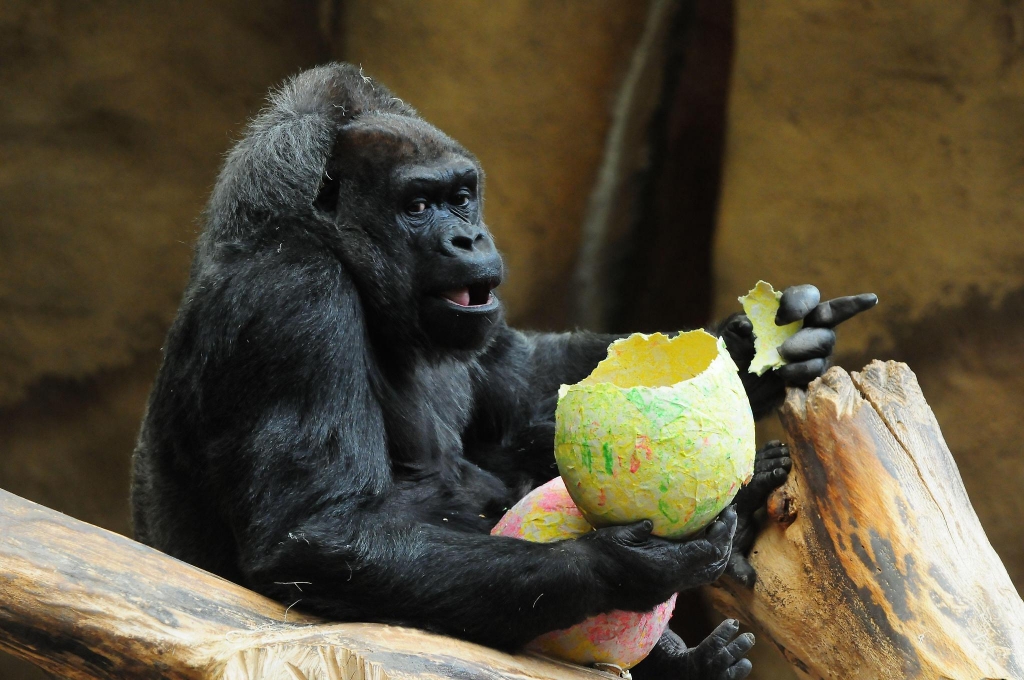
x,y
871,146
880,147
113,119
527,86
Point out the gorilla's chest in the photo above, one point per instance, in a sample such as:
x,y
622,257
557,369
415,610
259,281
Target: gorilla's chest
x,y
434,480
427,415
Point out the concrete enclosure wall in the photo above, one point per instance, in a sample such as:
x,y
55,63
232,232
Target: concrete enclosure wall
x,y
870,146
880,146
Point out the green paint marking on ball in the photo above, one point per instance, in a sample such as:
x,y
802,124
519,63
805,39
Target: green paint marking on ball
x,y
670,514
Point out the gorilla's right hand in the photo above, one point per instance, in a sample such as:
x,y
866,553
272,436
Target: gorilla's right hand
x,y
643,570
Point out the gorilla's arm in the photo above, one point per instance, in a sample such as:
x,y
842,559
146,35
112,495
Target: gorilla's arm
x,y
296,456
516,383
547,360
349,564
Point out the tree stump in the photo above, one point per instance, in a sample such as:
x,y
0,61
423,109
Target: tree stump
x,y
873,563
82,602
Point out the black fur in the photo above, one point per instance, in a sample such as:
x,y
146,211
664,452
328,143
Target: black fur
x,y
328,430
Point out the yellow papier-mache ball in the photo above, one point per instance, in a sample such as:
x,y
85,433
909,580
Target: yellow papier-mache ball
x,y
661,430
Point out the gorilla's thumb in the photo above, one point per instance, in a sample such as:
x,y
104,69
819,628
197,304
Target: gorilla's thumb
x,y
633,534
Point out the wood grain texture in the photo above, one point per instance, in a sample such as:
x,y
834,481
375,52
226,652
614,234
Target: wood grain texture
x,y
873,563
82,602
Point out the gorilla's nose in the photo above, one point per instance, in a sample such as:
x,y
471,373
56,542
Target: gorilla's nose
x,y
468,244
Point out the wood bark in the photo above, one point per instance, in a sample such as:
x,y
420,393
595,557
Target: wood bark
x,y
82,602
872,563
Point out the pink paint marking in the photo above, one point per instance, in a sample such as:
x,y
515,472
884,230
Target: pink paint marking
x,y
510,525
643,443
634,462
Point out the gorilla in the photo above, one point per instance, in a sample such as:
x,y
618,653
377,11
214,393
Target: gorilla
x,y
342,415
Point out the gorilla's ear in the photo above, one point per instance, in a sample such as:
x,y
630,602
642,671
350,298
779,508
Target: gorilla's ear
x,y
342,147
348,143
327,195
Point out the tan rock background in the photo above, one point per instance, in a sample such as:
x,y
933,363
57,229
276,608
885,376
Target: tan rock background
x,y
883,150
880,146
528,87
113,119
870,146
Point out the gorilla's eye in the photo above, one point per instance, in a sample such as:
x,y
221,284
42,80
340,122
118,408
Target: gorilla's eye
x,y
417,207
462,199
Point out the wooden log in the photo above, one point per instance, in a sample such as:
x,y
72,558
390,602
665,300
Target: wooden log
x,y
82,602
873,563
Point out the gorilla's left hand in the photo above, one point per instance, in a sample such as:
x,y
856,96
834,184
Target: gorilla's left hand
x,y
720,656
771,469
808,353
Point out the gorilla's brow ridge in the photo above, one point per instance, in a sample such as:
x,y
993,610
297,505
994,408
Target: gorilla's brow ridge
x,y
425,178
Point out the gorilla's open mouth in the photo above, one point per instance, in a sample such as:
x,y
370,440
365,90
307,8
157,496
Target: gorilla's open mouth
x,y
473,295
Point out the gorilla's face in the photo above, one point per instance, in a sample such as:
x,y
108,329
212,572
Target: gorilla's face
x,y
457,265
418,246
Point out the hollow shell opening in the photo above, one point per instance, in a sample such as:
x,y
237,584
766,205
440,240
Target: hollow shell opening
x,y
655,360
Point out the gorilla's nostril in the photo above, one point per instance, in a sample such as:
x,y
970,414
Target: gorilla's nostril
x,y
462,242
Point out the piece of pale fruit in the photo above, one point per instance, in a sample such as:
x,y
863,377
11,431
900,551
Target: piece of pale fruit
x,y
661,430
617,637
761,305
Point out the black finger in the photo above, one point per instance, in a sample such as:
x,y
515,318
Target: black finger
x,y
769,453
740,324
717,533
722,634
761,486
796,303
808,343
740,670
728,517
833,312
763,483
769,464
801,373
740,646
634,534
741,570
773,444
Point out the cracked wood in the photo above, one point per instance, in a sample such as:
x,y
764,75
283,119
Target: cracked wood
x,y
873,563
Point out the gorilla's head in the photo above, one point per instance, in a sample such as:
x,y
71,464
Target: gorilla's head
x,y
407,202
336,162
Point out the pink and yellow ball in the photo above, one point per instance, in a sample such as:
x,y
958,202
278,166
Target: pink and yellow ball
x,y
618,637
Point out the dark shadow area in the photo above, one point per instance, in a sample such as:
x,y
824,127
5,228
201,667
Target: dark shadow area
x,y
665,266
